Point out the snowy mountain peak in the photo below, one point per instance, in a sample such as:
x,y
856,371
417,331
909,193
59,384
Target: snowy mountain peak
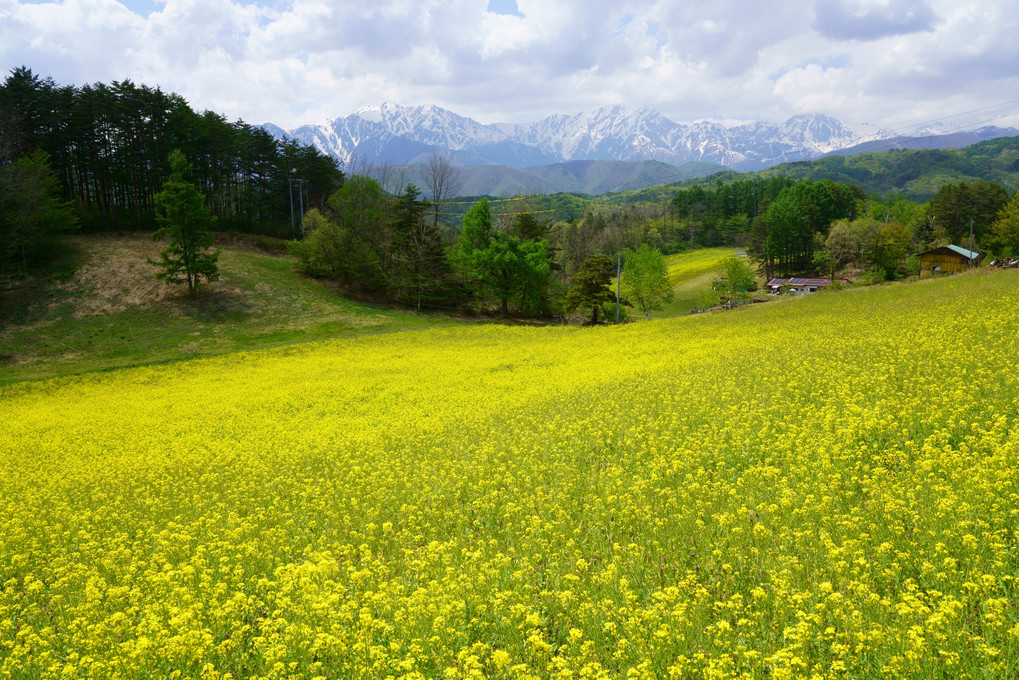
x,y
370,113
392,133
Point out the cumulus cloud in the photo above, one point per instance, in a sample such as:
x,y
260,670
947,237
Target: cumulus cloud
x,y
301,61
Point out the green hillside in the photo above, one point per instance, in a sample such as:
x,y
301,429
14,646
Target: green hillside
x,y
691,275
916,174
108,310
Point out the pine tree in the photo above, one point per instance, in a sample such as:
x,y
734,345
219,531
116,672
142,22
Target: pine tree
x,y
184,219
419,265
32,215
591,286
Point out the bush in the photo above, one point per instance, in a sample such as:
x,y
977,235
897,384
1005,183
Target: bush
x,y
875,274
913,265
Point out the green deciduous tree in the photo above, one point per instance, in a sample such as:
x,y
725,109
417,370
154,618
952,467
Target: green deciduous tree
x,y
500,265
1005,229
184,219
331,250
891,246
842,246
645,279
324,248
739,281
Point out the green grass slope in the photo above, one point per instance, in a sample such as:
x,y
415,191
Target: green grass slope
x,y
112,312
691,275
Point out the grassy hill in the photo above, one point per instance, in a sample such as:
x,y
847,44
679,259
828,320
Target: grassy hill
x,y
108,310
692,274
826,487
916,174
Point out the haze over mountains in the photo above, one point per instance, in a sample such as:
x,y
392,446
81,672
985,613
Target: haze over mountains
x,y
404,135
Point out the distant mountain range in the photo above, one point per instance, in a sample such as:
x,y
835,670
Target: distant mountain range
x,y
405,135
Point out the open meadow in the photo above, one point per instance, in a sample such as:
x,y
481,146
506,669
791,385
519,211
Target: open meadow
x,y
824,487
691,275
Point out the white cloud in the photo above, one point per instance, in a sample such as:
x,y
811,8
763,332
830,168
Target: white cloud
x,y
296,61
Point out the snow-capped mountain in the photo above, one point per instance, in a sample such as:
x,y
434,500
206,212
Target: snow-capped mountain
x,y
396,134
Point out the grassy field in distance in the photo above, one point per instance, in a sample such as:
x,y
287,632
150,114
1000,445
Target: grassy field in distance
x,y
692,274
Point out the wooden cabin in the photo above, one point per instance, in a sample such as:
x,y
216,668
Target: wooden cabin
x,y
947,259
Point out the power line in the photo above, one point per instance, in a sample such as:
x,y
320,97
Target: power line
x,y
956,115
888,144
501,214
491,200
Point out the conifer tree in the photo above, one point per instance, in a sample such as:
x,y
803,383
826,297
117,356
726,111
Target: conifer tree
x,y
591,286
419,264
184,219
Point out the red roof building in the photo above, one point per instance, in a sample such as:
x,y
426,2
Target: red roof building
x,y
800,285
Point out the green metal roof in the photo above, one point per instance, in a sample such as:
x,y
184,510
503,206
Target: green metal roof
x,y
968,254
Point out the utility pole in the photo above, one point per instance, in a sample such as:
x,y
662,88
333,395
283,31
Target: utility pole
x,y
619,264
300,203
970,243
290,184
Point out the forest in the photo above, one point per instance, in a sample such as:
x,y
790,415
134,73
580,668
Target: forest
x,y
914,174
108,148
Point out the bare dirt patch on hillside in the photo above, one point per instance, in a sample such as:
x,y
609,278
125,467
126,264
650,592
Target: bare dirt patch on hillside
x,y
117,275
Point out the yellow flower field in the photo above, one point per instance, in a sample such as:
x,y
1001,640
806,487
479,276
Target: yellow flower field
x,y
823,488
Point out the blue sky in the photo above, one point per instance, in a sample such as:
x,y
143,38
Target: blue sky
x,y
892,63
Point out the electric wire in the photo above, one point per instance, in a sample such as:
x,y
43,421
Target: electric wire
x,y
499,214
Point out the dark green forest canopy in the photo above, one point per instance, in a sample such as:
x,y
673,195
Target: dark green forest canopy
x,y
109,144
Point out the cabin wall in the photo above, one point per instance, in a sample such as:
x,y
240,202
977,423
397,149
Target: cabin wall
x,y
948,262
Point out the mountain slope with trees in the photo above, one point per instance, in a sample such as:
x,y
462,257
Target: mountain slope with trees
x,y
593,177
914,174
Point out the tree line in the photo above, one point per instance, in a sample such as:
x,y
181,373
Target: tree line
x,y
379,245
108,147
800,226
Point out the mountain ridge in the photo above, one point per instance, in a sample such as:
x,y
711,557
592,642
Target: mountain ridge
x,y
392,134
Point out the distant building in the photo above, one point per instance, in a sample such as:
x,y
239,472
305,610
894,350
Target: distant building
x,y
947,259
800,286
